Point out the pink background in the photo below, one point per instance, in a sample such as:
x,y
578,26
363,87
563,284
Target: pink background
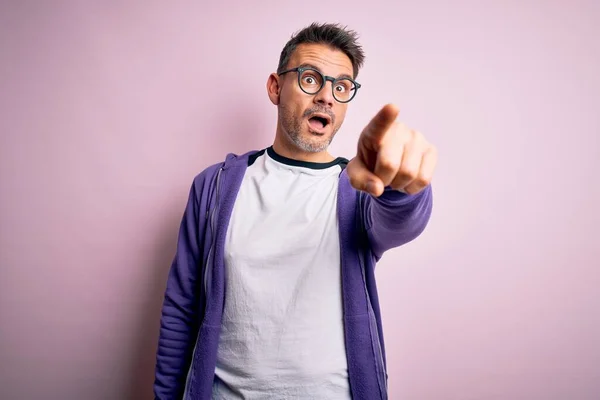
x,y
109,109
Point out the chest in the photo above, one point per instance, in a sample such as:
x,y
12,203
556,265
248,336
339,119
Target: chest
x,y
285,214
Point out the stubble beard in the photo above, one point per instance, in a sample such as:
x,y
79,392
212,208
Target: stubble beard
x,y
292,126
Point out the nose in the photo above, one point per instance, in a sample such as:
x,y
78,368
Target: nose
x,y
325,95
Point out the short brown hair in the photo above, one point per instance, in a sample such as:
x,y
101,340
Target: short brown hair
x,y
334,35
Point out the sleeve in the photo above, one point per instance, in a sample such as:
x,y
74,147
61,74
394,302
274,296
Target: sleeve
x,y
395,218
180,317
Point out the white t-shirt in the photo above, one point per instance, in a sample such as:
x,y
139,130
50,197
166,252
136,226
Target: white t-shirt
x,y
282,334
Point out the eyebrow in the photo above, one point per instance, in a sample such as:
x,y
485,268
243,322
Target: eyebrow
x,y
309,65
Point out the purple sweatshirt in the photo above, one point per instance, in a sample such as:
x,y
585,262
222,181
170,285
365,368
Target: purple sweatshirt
x,y
194,297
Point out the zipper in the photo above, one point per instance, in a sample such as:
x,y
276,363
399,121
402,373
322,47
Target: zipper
x,y
207,270
383,373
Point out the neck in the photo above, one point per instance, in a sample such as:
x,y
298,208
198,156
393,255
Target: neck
x,y
290,150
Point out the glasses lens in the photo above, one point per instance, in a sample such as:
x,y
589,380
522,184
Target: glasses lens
x,y
311,81
344,90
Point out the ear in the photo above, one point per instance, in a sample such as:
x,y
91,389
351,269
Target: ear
x,y
273,88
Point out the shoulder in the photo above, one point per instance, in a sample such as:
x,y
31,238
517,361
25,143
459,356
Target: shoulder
x,y
206,177
207,174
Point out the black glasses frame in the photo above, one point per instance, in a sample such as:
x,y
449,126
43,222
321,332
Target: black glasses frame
x,y
325,78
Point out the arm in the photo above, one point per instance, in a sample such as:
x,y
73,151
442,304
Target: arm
x,y
393,169
395,218
179,319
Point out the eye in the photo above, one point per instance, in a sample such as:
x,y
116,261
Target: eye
x,y
343,86
310,80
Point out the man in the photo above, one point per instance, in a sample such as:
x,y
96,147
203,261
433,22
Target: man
x,y
272,293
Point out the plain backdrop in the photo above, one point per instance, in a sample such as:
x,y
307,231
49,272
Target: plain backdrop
x,y
109,109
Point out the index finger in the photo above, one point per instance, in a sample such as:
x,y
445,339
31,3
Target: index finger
x,y
382,121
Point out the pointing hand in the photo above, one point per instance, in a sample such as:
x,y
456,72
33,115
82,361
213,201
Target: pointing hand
x,y
391,154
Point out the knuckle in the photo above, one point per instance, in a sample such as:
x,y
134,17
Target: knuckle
x,y
422,180
413,189
419,140
389,164
404,130
408,172
378,143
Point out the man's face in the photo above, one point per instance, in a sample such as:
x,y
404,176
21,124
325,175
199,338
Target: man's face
x,y
301,114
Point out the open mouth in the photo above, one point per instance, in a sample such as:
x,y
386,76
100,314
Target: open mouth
x,y
319,122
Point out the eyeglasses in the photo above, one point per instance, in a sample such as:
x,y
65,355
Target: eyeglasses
x,y
312,81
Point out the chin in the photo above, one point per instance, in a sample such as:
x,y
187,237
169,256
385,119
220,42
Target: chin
x,y
313,142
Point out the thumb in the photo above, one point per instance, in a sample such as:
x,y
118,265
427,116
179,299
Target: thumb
x,y
363,179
